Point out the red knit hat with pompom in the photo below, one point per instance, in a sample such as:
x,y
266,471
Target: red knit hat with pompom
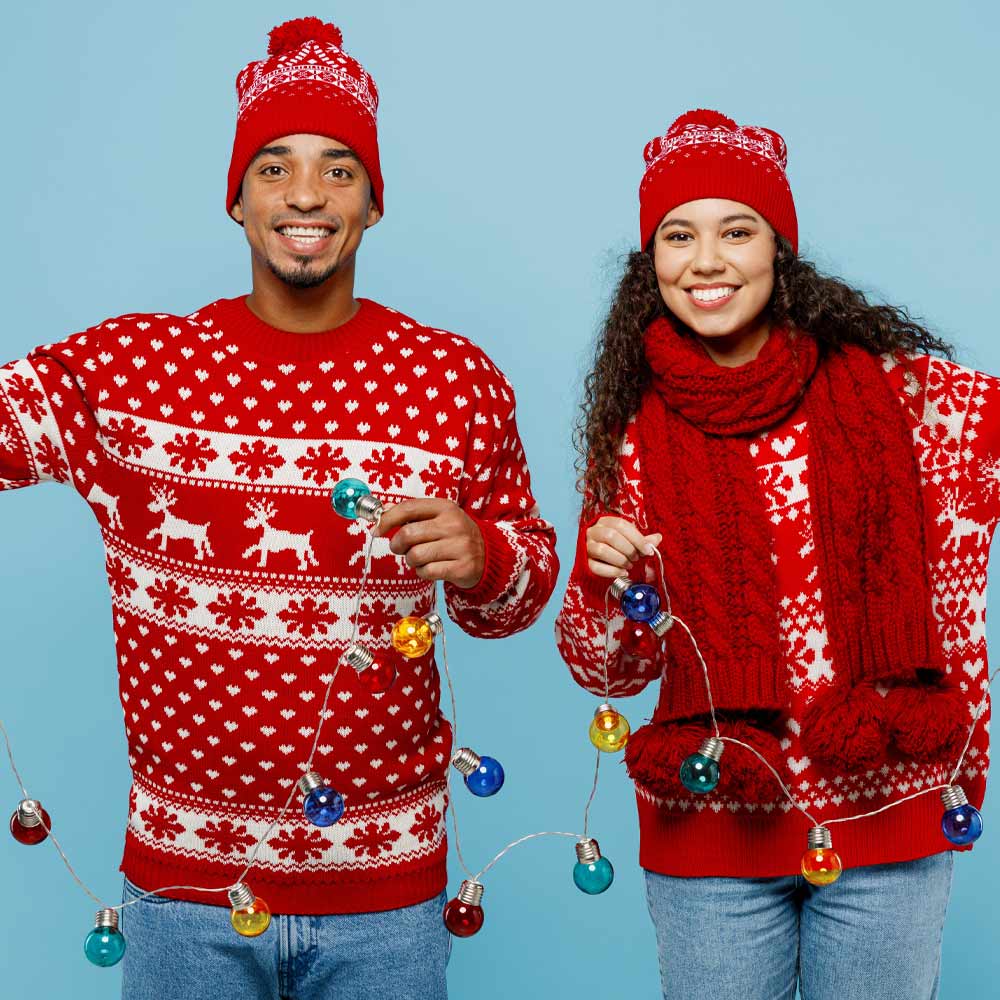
x,y
307,84
704,154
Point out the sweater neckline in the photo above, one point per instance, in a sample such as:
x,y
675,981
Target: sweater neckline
x,y
255,337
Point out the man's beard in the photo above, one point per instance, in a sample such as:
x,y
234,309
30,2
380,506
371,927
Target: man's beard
x,y
302,277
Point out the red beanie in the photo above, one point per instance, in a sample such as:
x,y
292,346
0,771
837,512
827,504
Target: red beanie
x,y
310,85
707,155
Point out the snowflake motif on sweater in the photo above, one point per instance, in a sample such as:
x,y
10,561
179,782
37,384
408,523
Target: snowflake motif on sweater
x,y
954,414
207,447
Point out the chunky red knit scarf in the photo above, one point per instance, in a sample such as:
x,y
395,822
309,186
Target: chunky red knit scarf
x,y
701,490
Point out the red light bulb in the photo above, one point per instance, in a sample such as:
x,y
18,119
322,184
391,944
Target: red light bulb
x,y
378,677
463,916
375,675
638,639
30,823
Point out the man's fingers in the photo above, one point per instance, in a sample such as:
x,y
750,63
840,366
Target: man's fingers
x,y
409,510
415,533
441,550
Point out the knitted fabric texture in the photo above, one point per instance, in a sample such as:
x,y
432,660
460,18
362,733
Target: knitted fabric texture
x,y
308,84
746,827
207,447
705,499
704,154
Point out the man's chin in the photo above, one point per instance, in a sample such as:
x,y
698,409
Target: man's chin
x,y
304,274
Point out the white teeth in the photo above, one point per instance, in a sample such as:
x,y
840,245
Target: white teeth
x,y
711,294
308,232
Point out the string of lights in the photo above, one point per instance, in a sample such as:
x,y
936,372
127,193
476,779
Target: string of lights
x,y
483,776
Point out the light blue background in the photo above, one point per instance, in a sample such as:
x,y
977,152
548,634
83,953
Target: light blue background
x,y
512,137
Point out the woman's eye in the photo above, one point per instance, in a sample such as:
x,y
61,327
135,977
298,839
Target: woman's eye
x,y
678,237
739,233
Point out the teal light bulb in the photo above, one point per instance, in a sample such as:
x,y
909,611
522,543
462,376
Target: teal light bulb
x,y
592,873
700,771
346,495
104,945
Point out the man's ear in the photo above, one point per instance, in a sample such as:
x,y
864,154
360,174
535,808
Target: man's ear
x,y
373,214
237,210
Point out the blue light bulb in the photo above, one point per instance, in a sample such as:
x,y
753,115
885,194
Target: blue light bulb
x,y
483,775
962,823
700,772
104,945
487,779
323,805
640,602
592,873
346,495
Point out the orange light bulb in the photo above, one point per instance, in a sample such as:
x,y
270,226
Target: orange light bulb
x,y
821,865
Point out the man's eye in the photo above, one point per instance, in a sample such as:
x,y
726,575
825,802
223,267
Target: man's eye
x,y
272,170
340,173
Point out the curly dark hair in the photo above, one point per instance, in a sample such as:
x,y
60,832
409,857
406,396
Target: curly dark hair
x,y
825,307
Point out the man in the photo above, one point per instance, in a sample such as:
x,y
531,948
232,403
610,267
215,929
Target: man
x,y
208,446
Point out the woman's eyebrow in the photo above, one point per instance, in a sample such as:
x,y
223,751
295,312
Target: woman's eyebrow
x,y
722,222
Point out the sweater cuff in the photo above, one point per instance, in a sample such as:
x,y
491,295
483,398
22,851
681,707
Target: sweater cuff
x,y
498,568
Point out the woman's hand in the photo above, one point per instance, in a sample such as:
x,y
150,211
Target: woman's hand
x,y
615,545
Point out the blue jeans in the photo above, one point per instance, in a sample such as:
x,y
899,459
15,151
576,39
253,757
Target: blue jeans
x,y
189,951
876,932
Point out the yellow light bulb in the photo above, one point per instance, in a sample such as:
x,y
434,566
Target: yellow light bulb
x,y
821,866
251,920
610,730
412,636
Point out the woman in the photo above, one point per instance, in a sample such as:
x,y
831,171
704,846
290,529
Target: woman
x,y
821,483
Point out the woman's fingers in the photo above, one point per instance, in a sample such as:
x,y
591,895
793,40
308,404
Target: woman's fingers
x,y
604,569
608,554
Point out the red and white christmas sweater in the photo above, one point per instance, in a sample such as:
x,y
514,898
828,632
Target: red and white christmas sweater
x,y
954,414
207,447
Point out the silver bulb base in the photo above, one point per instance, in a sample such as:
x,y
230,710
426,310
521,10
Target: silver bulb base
x,y
619,586
819,838
954,796
661,623
587,851
603,707
370,508
359,657
241,897
435,623
712,748
466,761
310,781
471,892
29,813
107,919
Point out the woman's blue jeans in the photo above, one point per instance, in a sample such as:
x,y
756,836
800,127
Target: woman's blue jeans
x,y
875,932
189,951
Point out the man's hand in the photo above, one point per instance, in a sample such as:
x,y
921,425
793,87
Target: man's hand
x,y
439,540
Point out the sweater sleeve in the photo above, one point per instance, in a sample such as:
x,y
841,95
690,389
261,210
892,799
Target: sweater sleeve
x,y
956,418
581,624
521,564
47,429
984,435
